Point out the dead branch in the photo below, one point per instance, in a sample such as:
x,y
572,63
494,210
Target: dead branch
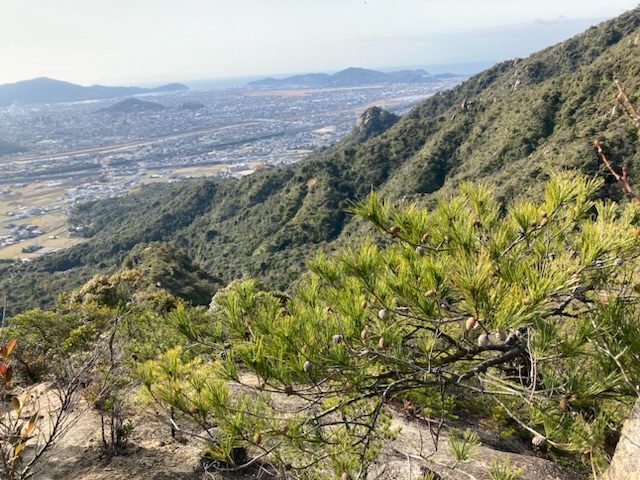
x,y
627,105
624,178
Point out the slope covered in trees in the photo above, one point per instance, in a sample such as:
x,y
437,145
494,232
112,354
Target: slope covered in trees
x,y
443,289
510,125
7,148
524,317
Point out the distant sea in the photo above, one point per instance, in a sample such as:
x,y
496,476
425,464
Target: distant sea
x,y
469,68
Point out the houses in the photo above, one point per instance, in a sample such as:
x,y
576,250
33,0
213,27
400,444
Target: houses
x,y
18,233
78,154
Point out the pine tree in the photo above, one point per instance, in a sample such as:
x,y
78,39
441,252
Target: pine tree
x,y
534,308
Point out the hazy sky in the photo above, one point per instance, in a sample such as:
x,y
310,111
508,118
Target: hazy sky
x,y
156,41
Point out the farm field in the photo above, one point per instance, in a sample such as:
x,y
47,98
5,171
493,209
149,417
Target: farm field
x,y
53,199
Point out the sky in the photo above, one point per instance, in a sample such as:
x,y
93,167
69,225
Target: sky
x,y
150,42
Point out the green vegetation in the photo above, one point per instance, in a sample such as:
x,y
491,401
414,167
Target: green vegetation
x,y
503,469
534,309
82,352
519,288
131,105
463,447
509,125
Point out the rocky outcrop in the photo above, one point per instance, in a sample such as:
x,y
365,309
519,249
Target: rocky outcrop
x,y
626,460
374,121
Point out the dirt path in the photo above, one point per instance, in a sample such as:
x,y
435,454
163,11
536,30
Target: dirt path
x,y
154,455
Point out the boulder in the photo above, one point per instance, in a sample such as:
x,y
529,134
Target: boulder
x,y
626,460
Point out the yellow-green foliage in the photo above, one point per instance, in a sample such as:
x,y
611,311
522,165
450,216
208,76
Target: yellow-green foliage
x,y
528,304
503,469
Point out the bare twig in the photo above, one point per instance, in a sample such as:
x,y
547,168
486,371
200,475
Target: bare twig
x,y
627,105
623,179
523,424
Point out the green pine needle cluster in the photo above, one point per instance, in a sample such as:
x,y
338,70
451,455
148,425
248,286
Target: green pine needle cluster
x,y
526,305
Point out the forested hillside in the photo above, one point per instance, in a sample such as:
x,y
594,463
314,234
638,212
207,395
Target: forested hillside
x,y
508,305
510,125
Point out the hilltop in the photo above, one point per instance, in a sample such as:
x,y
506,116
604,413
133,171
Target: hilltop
x,y
191,106
48,90
132,105
509,126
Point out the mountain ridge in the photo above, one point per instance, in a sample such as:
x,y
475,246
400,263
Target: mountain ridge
x,y
48,90
349,77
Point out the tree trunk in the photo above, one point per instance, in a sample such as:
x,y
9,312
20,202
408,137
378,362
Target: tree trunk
x,y
626,460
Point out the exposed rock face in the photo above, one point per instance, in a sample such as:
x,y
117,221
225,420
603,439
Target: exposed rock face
x,y
374,121
626,460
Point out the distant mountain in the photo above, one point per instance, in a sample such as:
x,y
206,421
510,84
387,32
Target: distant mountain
x,y
351,77
47,90
132,105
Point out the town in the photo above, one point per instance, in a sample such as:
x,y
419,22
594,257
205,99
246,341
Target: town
x,y
85,151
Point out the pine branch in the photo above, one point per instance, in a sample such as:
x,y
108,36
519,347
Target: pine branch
x,y
484,366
